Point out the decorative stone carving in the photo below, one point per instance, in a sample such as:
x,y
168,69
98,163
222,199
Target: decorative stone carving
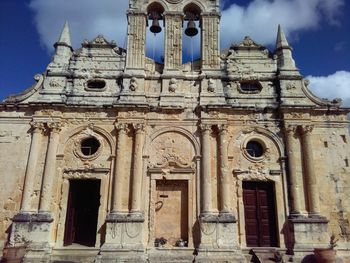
x,y
172,85
37,127
133,84
87,133
211,85
172,150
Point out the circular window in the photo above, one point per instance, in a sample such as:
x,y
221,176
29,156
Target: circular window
x,y
90,146
255,149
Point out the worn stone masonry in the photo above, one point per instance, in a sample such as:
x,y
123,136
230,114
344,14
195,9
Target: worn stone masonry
x,y
113,157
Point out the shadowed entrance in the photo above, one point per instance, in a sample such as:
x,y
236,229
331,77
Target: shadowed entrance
x,y
82,212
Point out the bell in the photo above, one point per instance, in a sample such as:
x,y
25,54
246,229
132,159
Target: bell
x,y
191,29
155,28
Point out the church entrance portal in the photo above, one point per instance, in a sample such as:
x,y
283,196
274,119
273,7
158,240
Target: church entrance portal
x,y
171,211
260,214
82,212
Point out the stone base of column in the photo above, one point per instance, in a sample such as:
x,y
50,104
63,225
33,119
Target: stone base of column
x,y
30,228
124,232
30,238
309,233
218,232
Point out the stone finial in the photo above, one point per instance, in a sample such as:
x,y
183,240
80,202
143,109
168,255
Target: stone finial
x,y
64,37
281,41
285,61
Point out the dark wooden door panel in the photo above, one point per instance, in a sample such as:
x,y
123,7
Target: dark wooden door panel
x,y
259,209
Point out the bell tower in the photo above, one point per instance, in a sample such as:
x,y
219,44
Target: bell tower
x,y
175,17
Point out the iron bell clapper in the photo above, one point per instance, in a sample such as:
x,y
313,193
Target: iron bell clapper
x,y
191,29
155,28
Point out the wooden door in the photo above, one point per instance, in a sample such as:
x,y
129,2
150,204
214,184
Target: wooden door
x,y
171,211
260,214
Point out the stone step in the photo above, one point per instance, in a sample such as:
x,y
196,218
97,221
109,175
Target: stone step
x,y
74,254
266,255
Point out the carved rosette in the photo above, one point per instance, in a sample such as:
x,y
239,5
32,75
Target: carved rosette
x,y
172,85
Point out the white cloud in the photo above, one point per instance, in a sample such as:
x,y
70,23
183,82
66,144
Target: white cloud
x,y
261,17
87,19
332,86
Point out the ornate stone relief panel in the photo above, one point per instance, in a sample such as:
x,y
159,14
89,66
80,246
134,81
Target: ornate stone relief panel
x,y
171,149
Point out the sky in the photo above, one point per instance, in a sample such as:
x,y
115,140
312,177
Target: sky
x,y
318,31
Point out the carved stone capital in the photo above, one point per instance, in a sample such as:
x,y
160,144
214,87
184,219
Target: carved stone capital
x,y
306,129
205,127
37,127
223,128
55,127
139,127
290,129
122,127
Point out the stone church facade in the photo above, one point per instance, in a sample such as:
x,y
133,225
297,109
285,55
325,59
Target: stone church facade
x,y
113,157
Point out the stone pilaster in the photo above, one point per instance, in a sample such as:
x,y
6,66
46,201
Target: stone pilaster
x,y
37,129
50,168
135,59
173,41
295,186
137,170
210,41
206,170
120,170
310,176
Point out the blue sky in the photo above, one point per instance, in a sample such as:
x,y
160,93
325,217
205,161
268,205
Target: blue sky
x,y
318,30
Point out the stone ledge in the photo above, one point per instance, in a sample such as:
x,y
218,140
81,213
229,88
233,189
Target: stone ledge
x,y
33,217
221,218
125,218
314,219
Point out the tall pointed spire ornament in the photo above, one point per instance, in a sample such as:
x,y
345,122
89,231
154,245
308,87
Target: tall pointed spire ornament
x,y
64,37
283,51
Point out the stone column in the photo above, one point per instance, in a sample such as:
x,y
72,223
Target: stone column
x,y
135,58
50,168
210,41
173,41
295,188
310,176
206,170
224,176
120,171
137,169
28,188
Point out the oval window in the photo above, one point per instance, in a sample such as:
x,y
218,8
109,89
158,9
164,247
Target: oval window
x,y
250,87
255,149
96,84
90,146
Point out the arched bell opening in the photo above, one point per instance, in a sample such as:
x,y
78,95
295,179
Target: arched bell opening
x,y
155,32
191,34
